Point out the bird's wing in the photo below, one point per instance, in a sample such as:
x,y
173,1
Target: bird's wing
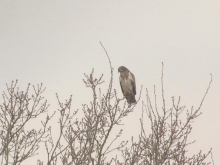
x,y
120,80
133,83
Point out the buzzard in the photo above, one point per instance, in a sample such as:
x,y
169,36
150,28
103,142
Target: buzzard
x,y
128,85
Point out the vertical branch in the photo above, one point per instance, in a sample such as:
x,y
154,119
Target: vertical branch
x,y
163,97
111,78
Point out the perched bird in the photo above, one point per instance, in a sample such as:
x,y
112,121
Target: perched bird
x,y
128,85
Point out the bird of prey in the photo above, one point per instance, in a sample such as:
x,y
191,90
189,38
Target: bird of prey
x,y
128,85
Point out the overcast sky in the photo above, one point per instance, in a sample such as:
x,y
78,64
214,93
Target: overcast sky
x,y
56,42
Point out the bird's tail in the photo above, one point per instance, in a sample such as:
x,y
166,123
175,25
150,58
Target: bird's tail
x,y
133,100
130,99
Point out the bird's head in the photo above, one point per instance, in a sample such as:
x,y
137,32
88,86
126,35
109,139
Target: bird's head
x,y
122,69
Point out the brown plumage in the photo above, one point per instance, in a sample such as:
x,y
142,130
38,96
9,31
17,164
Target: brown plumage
x,y
128,85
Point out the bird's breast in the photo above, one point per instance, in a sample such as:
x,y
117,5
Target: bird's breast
x,y
126,82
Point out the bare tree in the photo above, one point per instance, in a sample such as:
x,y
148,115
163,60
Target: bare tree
x,y
56,148
88,140
17,110
167,142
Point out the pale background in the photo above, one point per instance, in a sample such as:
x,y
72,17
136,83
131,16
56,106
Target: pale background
x,y
55,42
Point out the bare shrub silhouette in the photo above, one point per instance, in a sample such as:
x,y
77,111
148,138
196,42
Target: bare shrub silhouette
x,y
86,140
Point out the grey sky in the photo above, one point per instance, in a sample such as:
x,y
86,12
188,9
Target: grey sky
x,y
55,42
